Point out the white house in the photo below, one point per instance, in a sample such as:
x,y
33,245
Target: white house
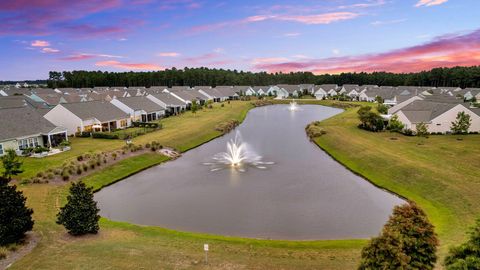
x,y
438,117
320,93
171,104
140,109
88,116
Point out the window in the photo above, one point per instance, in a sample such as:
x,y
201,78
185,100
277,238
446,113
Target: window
x,y
1,149
123,123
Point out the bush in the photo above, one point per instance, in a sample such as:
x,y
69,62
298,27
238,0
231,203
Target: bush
x,y
92,164
114,156
65,175
467,255
314,130
407,241
408,132
79,170
50,176
102,135
83,134
80,158
227,126
40,174
15,217
80,215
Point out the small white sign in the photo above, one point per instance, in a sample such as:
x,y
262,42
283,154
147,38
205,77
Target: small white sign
x,y
205,247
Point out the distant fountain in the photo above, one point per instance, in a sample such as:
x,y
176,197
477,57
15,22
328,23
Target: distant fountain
x,y
238,156
293,106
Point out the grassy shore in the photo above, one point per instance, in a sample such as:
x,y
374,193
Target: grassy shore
x,y
121,245
441,174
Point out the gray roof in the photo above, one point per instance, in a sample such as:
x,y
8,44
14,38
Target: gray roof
x,y
12,102
101,110
141,103
169,100
424,111
290,88
327,87
20,122
189,95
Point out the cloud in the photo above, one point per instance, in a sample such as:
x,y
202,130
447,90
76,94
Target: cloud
x,y
379,23
85,56
336,51
50,50
168,54
443,51
129,66
367,4
428,3
323,18
44,17
40,43
294,34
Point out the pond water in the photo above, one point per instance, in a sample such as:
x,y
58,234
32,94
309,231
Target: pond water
x,y
304,195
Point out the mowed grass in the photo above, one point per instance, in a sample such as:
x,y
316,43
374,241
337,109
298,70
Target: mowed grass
x,y
181,132
121,245
440,173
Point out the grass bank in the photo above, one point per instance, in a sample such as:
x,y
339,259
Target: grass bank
x,y
439,173
121,245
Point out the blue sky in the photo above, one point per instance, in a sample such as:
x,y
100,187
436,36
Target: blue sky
x,y
329,36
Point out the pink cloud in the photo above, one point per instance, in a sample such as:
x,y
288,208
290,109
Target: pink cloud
x,y
324,18
444,51
50,50
168,54
129,66
40,43
43,17
428,3
86,56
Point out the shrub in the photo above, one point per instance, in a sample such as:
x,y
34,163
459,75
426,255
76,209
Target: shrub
x,y
80,215
422,130
467,255
227,126
25,181
92,164
104,160
79,170
85,167
223,105
65,175
102,135
98,162
50,176
11,164
57,171
408,132
40,174
407,241
80,158
15,217
114,156
147,145
314,130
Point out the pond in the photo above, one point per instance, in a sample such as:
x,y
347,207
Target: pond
x,y
302,195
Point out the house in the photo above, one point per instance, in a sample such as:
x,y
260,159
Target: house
x,y
140,109
212,94
438,117
332,93
261,90
171,104
402,102
227,92
187,96
250,92
291,90
349,88
24,127
242,90
307,88
320,93
88,116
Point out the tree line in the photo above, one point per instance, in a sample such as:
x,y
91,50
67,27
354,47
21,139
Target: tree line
x,y
437,77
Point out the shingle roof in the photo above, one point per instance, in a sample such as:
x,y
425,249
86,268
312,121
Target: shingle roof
x,y
169,99
12,102
101,110
424,111
19,122
141,103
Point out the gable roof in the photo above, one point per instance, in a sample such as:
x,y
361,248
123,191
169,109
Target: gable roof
x,y
20,122
141,103
425,111
101,110
168,99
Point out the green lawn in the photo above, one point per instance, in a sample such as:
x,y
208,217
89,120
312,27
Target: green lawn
x,y
441,175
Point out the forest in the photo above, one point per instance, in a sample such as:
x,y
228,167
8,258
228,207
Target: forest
x,y
437,77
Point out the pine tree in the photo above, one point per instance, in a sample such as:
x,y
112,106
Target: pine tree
x,y
407,241
80,215
15,217
11,164
467,255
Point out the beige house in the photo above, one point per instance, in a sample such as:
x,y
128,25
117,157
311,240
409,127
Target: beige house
x,y
437,116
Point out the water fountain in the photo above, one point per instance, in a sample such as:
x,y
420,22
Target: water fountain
x,y
238,156
293,106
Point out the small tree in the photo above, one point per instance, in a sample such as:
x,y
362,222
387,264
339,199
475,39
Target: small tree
x,y
80,215
15,217
407,241
194,106
422,130
11,164
395,125
461,124
379,99
467,255
381,108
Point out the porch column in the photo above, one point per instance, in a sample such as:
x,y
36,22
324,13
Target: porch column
x,y
49,140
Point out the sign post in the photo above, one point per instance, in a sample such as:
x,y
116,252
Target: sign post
x,y
205,248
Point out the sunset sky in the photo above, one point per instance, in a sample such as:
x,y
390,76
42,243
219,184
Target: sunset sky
x,y
329,36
